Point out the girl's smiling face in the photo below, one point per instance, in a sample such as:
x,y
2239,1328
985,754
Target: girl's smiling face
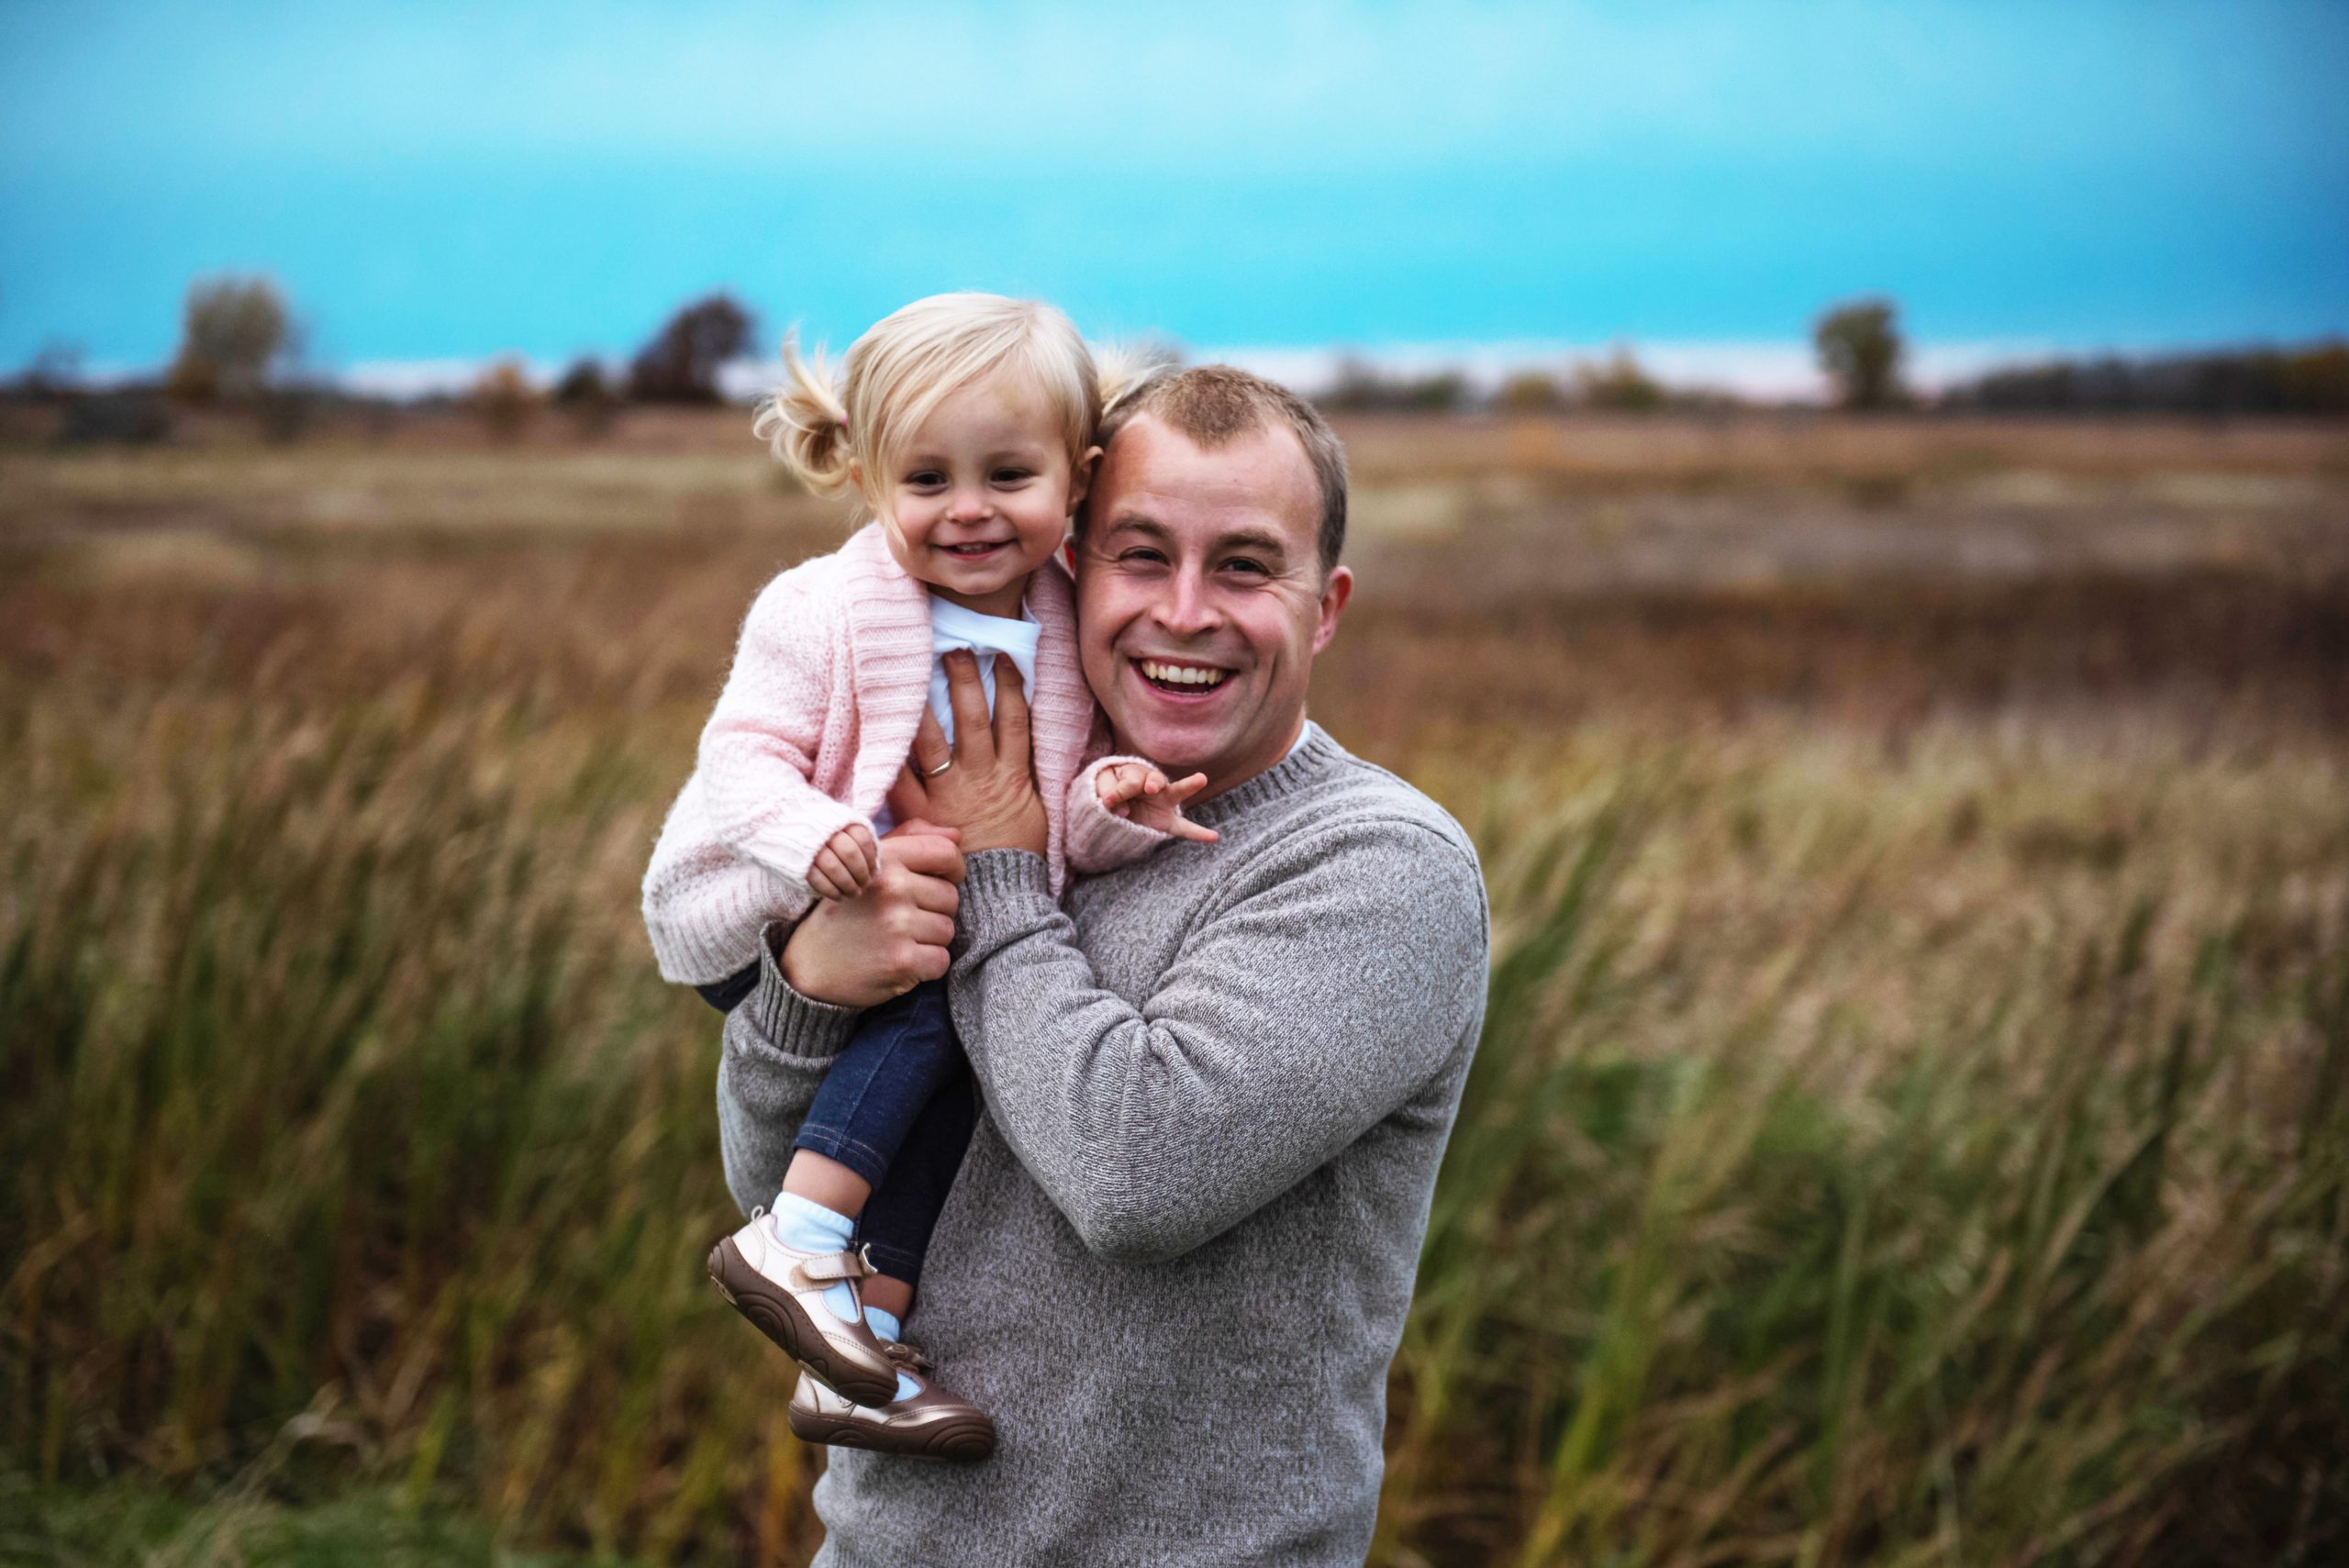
x,y
981,495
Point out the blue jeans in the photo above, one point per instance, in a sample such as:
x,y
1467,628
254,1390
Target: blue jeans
x,y
896,1107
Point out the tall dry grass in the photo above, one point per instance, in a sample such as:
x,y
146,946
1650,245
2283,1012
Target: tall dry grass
x,y
1911,1125
1930,1160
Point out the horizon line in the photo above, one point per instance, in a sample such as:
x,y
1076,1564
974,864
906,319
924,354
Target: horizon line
x,y
1764,369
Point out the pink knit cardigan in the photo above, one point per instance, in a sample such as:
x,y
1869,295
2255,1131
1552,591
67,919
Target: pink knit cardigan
x,y
819,713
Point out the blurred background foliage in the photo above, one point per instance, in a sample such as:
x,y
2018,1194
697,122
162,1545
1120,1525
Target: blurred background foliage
x,y
1895,669
1910,1125
240,350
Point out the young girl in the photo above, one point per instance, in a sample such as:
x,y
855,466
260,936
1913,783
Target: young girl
x,y
965,423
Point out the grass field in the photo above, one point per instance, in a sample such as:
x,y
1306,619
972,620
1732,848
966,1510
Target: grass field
x,y
1912,1123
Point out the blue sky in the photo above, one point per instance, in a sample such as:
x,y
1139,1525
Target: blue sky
x,y
437,181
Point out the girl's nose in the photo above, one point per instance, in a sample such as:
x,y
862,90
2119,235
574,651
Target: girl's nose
x,y
967,505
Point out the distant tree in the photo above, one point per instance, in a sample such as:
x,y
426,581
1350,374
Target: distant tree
x,y
288,408
236,336
1355,386
2312,379
1860,350
1360,387
505,400
130,415
2316,379
1530,391
586,395
1443,390
681,364
54,372
1619,385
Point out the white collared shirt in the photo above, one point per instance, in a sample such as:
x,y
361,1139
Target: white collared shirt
x,y
952,626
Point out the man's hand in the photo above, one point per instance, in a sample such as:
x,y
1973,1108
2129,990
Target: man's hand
x,y
861,950
1145,797
983,784
844,866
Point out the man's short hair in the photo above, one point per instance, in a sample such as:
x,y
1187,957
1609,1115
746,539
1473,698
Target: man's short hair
x,y
1211,405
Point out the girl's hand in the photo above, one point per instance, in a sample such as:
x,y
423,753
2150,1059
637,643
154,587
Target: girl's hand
x,y
859,952
1144,796
844,866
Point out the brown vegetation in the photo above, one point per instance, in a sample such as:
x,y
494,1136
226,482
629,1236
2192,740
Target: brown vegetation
x,y
1911,1119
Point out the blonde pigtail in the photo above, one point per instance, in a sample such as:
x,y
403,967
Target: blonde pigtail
x,y
805,423
1124,368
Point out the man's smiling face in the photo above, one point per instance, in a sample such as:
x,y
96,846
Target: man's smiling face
x,y
1200,597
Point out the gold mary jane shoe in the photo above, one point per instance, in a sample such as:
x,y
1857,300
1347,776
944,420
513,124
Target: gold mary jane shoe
x,y
780,1289
932,1424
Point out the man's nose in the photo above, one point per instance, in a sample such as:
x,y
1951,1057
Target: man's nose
x,y
1187,607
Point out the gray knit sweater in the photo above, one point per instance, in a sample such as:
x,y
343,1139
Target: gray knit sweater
x,y
1175,1265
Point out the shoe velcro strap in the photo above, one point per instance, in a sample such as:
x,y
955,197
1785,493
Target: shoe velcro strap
x,y
910,1357
836,1266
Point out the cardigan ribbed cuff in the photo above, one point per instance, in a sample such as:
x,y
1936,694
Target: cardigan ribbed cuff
x,y
796,1025
1098,838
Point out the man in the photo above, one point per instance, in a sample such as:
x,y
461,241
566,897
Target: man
x,y
1216,1089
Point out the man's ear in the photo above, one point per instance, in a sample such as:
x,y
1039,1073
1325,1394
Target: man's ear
x,y
1080,478
1336,589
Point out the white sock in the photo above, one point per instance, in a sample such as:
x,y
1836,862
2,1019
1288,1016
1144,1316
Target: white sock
x,y
806,1226
886,1326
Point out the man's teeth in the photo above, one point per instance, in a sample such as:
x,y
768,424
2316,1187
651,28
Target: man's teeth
x,y
1183,674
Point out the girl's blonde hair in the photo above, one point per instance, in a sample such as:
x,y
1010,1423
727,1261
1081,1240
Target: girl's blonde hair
x,y
894,376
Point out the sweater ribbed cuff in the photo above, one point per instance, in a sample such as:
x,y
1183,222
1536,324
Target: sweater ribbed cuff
x,y
1002,888
795,1025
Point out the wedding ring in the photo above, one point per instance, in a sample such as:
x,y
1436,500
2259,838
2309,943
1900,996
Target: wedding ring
x,y
933,772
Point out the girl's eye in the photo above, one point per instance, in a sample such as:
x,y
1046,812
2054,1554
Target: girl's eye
x,y
928,478
1011,475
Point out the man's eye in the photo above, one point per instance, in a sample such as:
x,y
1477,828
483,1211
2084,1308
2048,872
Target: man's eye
x,y
1140,557
1248,563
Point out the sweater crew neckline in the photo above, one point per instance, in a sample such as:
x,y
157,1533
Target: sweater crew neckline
x,y
1313,755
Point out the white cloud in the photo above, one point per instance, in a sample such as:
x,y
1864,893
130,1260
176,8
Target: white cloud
x,y
405,379
1763,371
1784,371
